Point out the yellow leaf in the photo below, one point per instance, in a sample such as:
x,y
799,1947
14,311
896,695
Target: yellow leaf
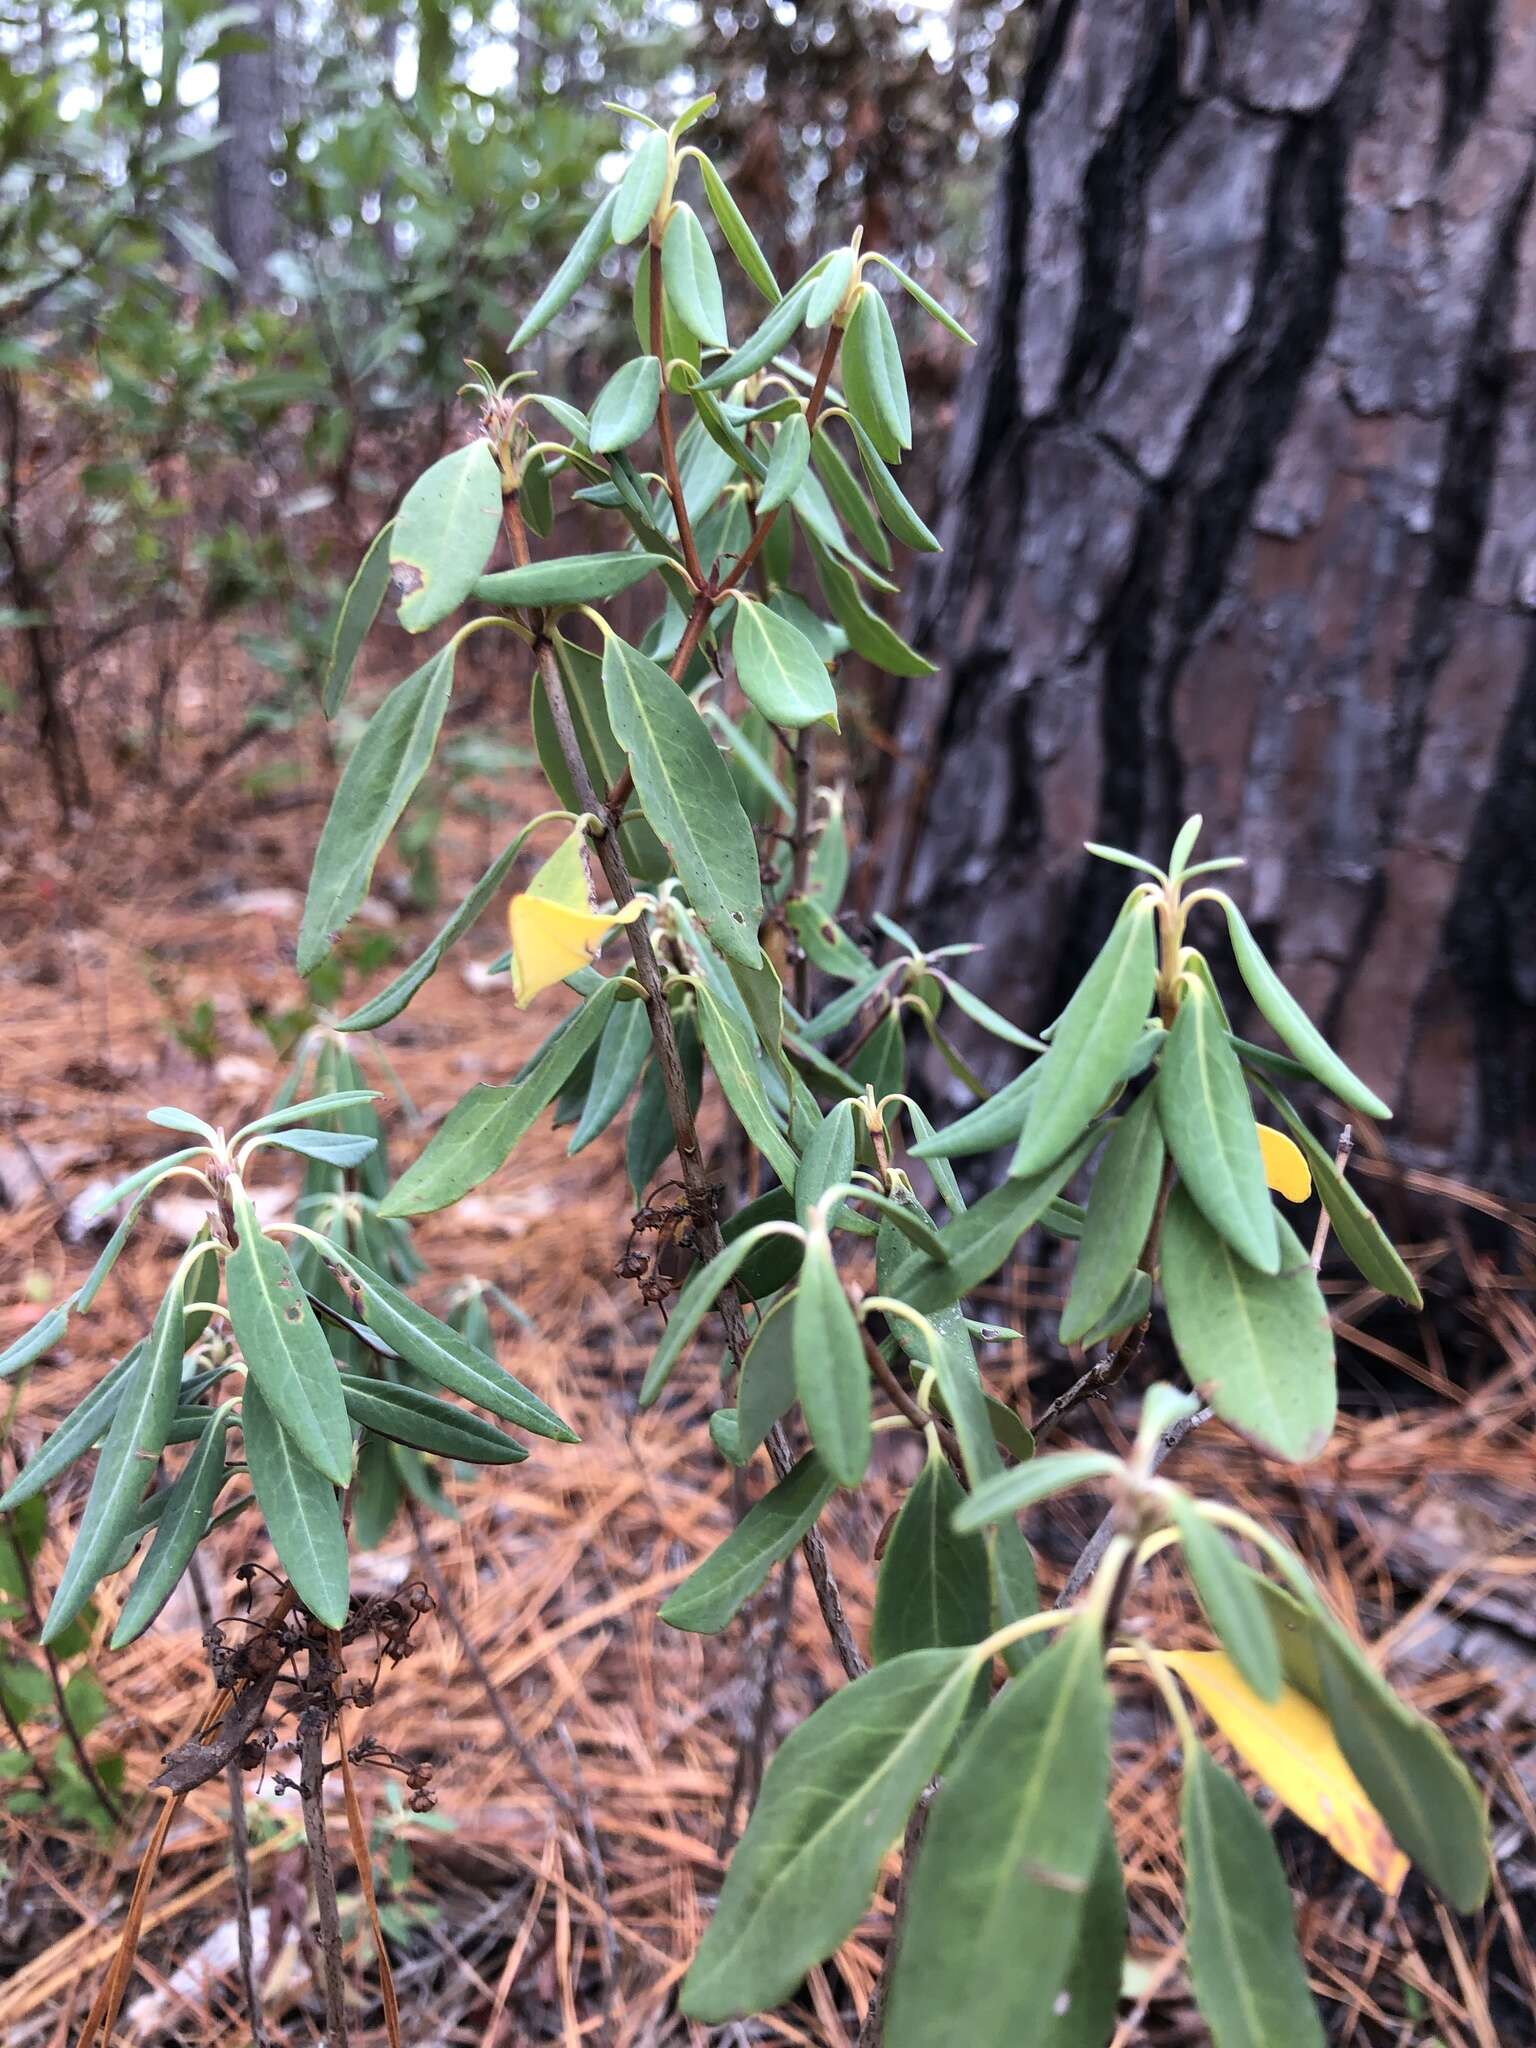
x,y
1289,1744
550,941
563,878
1285,1164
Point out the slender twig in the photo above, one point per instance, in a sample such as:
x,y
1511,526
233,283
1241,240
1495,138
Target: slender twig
x,y
34,1762
313,1723
800,855
874,2020
751,551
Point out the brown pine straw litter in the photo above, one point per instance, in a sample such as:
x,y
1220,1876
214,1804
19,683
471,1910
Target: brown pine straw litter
x,y
1420,1520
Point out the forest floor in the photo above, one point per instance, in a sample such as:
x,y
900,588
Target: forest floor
x,y
139,957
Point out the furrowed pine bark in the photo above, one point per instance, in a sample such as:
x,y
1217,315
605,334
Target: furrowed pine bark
x,y
1241,518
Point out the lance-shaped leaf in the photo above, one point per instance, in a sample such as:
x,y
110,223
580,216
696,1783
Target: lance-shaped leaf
x,y
300,1112
42,1335
1093,1040
1257,1346
390,1001
376,785
1409,1772
739,237
847,496
1120,1212
301,1510
831,288
443,535
786,464
890,500
780,323
332,1148
698,1296
582,674
831,1371
935,1586
729,1049
481,1131
688,797
722,1585
835,1798
828,1158
926,300
140,1427
868,634
639,190
408,1416
1290,1022
997,1121
766,1387
568,579
626,405
180,1529
1289,1745
359,609
1020,1487
376,1492
873,380
1003,1872
589,245
1233,1606
692,283
285,1350
84,1426
448,1358
1207,1119
1361,1238
1248,1978
780,671
621,1054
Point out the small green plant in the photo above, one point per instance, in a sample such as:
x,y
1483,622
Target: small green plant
x,y
683,768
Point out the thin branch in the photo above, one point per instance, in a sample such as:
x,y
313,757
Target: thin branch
x,y
312,1729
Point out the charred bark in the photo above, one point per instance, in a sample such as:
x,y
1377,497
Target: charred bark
x,y
1241,518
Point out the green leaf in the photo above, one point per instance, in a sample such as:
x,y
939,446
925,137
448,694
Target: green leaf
x,y
831,1371
997,1121
626,405
678,344
448,1359
408,1416
1361,1238
621,1054
1120,1211
582,674
889,498
390,1001
1001,1878
285,1350
1248,1978
1207,1119
1085,2011
1093,1040
873,381
376,785
480,1132
182,1522
698,1295
1257,1346
1408,1771
831,288
99,1205
84,1426
978,1242
935,1586
827,1159
1232,1606
334,1148
1130,1306
769,338
301,1112
568,579
868,634
835,1798
589,245
302,1513
42,1335
766,1387
691,281
688,797
721,1586
847,496
376,1493
639,191
141,1424
926,300
729,1050
786,464
1022,1485
444,532
780,671
739,237
1290,1022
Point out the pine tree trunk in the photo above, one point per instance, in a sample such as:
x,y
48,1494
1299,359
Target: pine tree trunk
x,y
1241,519
246,200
